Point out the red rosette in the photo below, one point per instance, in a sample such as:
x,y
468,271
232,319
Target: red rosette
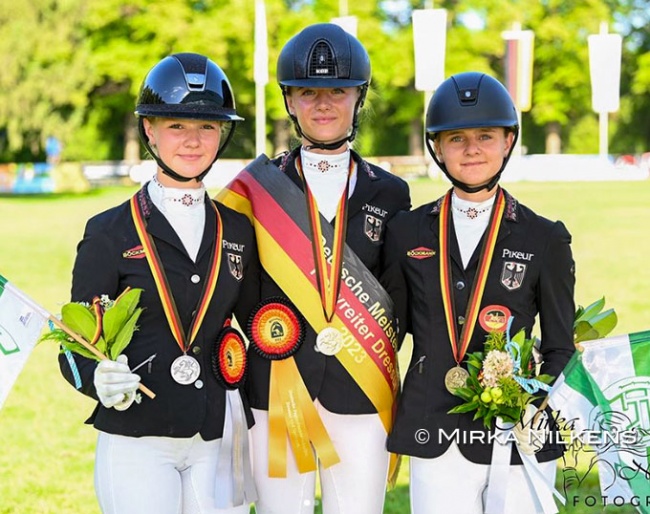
x,y
276,329
229,358
494,318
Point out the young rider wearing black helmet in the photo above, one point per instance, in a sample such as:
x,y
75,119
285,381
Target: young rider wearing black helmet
x,y
193,260
322,369
466,256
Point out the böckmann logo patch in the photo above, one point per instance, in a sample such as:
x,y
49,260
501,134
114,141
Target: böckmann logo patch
x,y
421,252
137,252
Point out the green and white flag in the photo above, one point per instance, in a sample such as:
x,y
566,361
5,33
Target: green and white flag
x,y
603,395
21,324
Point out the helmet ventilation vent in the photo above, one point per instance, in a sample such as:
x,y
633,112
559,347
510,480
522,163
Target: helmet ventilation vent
x,y
321,62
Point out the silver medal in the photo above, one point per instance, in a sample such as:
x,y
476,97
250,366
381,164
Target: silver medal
x,y
329,341
185,369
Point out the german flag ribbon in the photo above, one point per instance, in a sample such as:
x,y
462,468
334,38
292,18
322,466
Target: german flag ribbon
x,y
329,284
183,340
460,343
363,313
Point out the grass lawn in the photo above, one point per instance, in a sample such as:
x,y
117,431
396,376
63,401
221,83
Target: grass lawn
x,y
46,451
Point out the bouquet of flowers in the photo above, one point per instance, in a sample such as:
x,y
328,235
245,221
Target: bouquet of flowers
x,y
105,325
503,378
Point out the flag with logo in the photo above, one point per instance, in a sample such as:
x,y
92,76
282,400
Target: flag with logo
x,y
21,324
604,396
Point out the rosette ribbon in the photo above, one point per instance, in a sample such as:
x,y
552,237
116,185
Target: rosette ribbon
x,y
229,364
234,461
276,331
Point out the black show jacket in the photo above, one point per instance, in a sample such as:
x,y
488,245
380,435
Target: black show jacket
x,y
107,264
377,194
540,252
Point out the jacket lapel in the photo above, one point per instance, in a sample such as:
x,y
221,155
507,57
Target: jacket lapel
x,y
364,190
209,230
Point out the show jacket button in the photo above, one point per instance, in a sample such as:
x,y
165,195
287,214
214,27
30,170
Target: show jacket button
x,y
196,350
195,279
198,384
460,285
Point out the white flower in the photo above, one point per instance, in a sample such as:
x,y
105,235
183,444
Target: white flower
x,y
106,302
497,364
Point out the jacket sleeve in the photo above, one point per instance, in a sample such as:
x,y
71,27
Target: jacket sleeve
x,y
392,277
555,300
94,273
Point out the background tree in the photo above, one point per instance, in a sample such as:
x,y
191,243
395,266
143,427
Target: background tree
x,y
72,69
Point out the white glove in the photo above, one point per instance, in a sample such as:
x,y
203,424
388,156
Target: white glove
x,y
531,434
115,384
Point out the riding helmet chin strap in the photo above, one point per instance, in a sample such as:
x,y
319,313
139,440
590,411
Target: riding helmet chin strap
x,y
170,172
489,185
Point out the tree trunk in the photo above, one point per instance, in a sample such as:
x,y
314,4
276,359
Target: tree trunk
x,y
553,138
416,135
131,140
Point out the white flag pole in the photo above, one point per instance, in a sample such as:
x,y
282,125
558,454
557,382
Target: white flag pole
x,y
261,75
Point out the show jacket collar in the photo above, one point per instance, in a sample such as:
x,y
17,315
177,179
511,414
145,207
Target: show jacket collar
x,y
160,228
363,190
509,214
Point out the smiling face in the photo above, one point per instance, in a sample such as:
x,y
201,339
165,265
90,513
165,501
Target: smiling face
x,y
473,155
186,146
325,114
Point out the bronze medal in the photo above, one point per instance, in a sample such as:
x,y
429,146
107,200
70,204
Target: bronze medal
x,y
455,378
329,341
185,369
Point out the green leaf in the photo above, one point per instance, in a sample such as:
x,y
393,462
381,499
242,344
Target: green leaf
x,y
129,300
101,345
464,393
79,319
519,337
114,319
124,336
598,326
80,349
465,407
584,314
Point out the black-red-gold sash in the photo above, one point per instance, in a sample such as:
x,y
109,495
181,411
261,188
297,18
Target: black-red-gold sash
x,y
459,344
329,284
164,291
363,313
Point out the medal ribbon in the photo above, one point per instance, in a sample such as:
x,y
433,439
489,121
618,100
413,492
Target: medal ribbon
x,y
272,202
459,345
162,284
329,284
